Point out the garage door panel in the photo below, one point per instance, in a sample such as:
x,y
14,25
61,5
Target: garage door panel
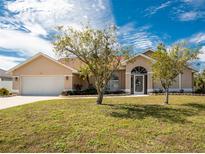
x,y
42,85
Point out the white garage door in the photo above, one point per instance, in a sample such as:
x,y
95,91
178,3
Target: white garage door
x,y
42,85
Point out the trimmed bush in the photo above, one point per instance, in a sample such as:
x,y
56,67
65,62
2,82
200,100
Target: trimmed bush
x,y
115,92
88,91
4,92
200,91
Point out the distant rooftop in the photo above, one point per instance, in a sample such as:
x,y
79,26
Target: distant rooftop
x,y
3,73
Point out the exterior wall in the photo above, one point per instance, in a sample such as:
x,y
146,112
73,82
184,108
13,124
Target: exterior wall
x,y
127,82
121,76
174,87
39,67
182,82
76,63
72,62
149,82
187,80
77,80
137,61
44,66
16,84
120,73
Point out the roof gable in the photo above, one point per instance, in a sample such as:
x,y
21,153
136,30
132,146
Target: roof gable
x,y
37,56
137,55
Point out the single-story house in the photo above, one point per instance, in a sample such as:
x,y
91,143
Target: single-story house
x,y
5,80
43,75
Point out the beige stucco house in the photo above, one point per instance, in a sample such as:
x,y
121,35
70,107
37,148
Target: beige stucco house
x,y
43,75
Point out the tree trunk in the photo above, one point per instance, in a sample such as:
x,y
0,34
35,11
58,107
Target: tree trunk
x,y
166,102
100,97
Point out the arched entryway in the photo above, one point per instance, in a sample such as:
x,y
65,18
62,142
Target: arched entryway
x,y
139,80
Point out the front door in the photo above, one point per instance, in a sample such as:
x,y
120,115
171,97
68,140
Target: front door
x,y
139,84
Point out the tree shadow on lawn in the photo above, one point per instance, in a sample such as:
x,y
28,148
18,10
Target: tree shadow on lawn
x,y
199,107
172,114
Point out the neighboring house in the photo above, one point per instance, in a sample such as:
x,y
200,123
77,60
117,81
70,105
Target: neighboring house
x,y
43,75
5,80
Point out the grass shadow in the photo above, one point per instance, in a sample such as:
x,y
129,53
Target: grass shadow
x,y
170,114
200,107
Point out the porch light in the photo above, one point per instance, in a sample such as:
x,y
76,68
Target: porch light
x,y
16,78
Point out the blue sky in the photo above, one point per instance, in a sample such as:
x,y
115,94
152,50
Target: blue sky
x,y
27,26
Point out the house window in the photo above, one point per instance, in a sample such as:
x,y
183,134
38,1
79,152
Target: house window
x,y
139,70
113,84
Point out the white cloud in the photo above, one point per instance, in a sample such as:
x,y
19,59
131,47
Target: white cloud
x,y
202,53
24,43
26,23
41,16
197,38
188,16
7,62
194,3
139,37
190,10
152,10
191,15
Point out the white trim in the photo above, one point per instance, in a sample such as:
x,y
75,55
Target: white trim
x,y
127,90
36,56
143,55
15,91
142,92
67,89
20,86
180,81
149,90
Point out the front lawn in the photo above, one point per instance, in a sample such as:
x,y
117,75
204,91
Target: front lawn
x,y
120,125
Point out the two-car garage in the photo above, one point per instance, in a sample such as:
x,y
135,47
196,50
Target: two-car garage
x,y
42,85
42,75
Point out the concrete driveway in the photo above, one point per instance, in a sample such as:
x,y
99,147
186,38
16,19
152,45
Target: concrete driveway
x,y
6,102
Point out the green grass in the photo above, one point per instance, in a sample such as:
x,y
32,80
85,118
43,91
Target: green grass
x,y
120,125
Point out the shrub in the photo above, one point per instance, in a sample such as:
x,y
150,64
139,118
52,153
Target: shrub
x,y
181,91
78,87
200,91
88,91
158,91
4,92
115,92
